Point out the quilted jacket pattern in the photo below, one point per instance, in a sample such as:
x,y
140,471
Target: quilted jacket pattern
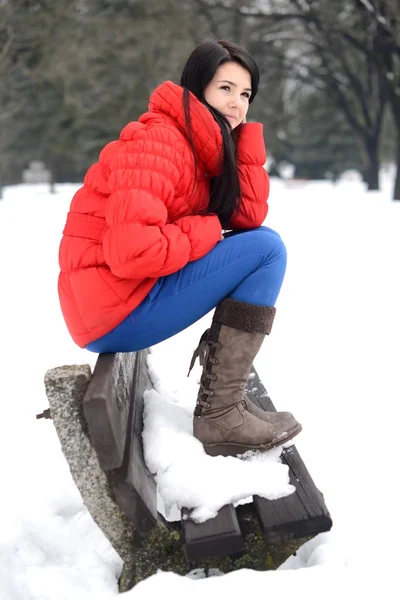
x,y
140,212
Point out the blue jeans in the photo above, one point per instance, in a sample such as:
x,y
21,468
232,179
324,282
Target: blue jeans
x,y
247,265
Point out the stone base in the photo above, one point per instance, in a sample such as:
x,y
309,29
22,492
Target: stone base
x,y
65,389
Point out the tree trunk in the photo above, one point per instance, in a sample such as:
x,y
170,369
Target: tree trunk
x,y
395,106
52,183
237,22
396,191
372,176
372,169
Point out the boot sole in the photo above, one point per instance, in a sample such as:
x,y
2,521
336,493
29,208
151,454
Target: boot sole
x,y
232,449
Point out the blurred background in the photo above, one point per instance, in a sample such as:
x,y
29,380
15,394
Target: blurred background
x,y
73,73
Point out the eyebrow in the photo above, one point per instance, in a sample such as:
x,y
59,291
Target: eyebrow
x,y
234,84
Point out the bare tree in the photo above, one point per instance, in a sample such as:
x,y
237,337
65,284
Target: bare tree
x,y
357,47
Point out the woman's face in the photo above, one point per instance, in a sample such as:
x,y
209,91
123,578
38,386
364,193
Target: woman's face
x,y
229,92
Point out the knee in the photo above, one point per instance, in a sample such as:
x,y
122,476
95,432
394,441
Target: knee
x,y
272,244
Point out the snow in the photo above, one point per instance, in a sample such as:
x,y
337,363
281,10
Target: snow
x,y
332,359
185,475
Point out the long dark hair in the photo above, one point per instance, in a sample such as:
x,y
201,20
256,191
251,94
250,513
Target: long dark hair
x,y
199,70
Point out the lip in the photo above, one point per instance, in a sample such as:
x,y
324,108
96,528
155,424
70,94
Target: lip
x,y
231,117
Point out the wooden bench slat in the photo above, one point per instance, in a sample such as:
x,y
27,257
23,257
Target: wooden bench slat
x,y
134,487
216,537
106,406
299,515
113,408
257,393
304,512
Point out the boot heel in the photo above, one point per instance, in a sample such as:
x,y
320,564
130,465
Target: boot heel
x,y
224,450
235,449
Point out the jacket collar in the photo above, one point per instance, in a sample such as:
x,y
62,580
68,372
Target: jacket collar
x,y
207,138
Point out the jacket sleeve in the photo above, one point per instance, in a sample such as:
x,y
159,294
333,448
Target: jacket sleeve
x,y
254,179
143,174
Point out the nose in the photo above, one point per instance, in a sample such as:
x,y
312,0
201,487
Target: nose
x,y
233,102
235,99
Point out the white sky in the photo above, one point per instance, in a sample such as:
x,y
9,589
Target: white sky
x,y
332,359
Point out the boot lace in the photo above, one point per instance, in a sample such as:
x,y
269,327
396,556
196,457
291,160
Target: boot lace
x,y
202,352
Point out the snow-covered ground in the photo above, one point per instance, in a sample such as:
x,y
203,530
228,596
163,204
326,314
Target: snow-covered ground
x,y
333,359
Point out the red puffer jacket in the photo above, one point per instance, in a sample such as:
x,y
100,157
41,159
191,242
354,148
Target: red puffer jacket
x,y
136,217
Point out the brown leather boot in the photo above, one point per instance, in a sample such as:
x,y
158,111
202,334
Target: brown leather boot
x,y
224,420
283,418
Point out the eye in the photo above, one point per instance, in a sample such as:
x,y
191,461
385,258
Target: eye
x,y
225,87
246,94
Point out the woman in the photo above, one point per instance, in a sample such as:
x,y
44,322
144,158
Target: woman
x,y
143,255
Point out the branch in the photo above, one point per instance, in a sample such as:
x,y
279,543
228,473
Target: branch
x,y
206,9
367,5
7,45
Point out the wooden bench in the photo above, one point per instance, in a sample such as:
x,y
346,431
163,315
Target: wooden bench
x,y
113,406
